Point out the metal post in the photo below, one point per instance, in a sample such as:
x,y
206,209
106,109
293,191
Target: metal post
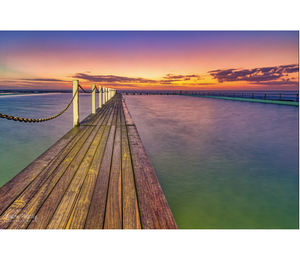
x,y
297,97
265,95
279,95
252,95
208,93
233,94
93,98
213,93
100,97
75,103
242,94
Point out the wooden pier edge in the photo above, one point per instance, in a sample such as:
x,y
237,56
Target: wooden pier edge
x,y
96,176
154,208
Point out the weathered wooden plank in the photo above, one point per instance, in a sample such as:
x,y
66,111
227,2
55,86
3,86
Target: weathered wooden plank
x,y
92,181
95,218
131,215
128,118
59,184
80,211
92,118
113,213
37,200
112,116
97,120
81,208
11,214
109,109
87,120
56,188
13,188
21,220
61,216
155,211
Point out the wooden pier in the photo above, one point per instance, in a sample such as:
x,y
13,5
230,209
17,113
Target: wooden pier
x,y
97,176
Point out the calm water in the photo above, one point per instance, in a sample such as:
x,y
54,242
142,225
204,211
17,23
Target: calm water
x,y
222,164
21,143
247,94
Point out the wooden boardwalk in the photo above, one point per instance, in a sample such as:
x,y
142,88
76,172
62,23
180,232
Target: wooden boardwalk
x,y
97,176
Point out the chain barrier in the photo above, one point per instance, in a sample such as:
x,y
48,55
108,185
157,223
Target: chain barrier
x,y
5,116
8,117
88,91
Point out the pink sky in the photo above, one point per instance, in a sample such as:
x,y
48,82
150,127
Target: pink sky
x,y
185,60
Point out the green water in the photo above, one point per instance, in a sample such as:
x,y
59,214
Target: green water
x,y
22,143
223,164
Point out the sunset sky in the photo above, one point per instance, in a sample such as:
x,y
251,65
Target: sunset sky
x,y
191,60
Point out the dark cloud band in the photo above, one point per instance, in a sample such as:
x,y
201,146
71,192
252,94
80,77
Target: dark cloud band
x,y
168,79
254,75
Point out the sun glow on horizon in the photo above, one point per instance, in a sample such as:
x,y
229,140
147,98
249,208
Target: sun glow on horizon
x,y
198,60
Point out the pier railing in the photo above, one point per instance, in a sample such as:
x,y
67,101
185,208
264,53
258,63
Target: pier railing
x,y
105,94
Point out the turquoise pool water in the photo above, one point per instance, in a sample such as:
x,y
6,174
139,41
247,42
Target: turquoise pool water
x,y
223,164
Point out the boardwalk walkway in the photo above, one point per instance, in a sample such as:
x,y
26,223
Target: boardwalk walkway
x,y
96,176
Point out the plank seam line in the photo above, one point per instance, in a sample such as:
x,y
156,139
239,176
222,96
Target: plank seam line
x,y
107,127
121,179
133,171
47,178
63,172
104,148
79,190
121,193
98,114
105,119
73,175
80,134
85,178
58,182
112,153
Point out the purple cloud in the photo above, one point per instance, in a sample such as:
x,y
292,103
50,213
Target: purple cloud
x,y
254,75
111,78
168,79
